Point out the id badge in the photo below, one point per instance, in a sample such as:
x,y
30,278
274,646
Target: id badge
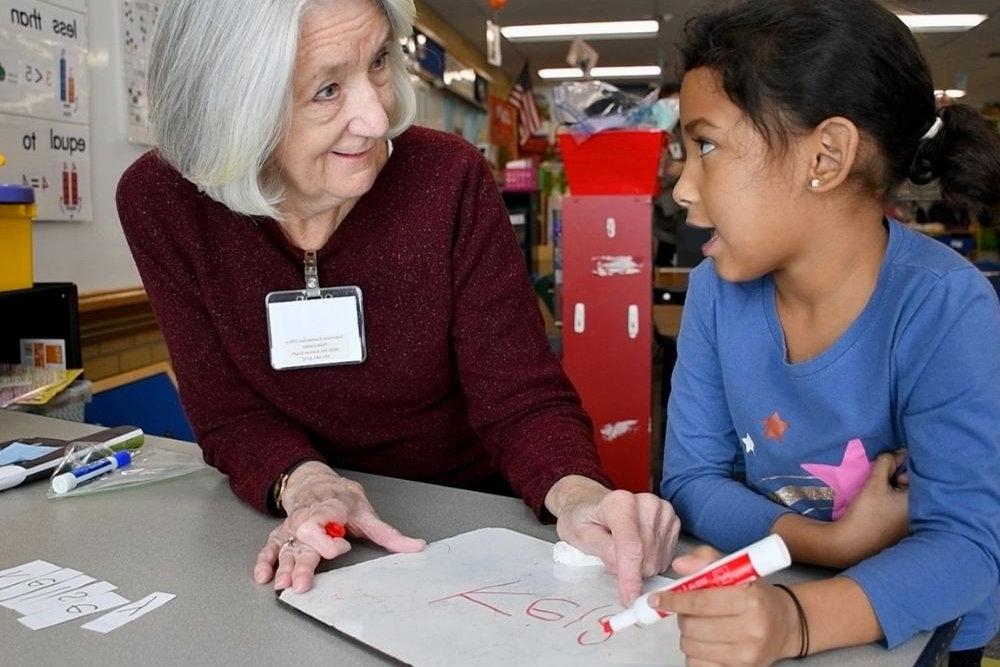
x,y
325,330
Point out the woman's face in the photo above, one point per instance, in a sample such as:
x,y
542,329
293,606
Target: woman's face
x,y
341,101
735,185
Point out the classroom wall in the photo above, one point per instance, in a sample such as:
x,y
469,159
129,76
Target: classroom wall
x,y
93,254
442,110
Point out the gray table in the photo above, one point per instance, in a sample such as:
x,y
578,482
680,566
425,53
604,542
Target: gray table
x,y
190,536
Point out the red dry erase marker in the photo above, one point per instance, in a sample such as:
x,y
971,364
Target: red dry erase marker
x,y
335,530
748,564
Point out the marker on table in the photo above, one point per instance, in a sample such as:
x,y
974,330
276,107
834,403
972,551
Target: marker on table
x,y
335,530
28,471
68,481
13,475
758,560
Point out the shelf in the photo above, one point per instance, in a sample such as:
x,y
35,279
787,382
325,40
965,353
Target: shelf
x,y
440,85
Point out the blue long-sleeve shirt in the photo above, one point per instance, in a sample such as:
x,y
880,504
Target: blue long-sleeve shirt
x,y
919,368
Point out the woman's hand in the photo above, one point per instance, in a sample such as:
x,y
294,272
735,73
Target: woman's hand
x,y
314,496
878,517
754,624
634,534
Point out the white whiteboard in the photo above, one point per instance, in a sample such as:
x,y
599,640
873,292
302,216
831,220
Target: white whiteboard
x,y
484,598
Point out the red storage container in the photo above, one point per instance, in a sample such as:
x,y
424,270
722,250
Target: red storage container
x,y
613,162
608,326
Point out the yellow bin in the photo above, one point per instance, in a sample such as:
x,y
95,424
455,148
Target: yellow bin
x,y
17,210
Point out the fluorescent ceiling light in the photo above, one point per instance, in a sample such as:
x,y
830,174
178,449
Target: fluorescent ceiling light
x,y
561,73
941,22
568,31
638,71
953,93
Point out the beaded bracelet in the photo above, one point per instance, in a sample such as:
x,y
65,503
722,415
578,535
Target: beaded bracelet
x,y
803,624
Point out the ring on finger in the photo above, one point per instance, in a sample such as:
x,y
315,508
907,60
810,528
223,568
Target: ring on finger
x,y
287,543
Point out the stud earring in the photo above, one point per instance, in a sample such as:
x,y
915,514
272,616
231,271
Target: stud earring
x,y
814,183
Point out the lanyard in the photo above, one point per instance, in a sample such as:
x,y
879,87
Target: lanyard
x,y
312,276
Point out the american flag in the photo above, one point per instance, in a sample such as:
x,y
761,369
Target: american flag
x,y
522,97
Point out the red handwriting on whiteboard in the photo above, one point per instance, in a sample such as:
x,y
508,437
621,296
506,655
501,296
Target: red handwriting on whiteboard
x,y
502,600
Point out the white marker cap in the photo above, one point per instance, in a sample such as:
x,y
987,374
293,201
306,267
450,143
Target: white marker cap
x,y
769,555
64,483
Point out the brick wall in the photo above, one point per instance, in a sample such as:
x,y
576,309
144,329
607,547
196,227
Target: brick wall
x,y
118,334
122,354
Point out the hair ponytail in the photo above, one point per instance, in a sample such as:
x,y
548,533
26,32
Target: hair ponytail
x,y
791,64
964,156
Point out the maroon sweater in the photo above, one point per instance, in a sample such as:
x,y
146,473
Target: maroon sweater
x,y
459,383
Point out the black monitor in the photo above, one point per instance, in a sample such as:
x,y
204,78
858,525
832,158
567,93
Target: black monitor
x,y
47,310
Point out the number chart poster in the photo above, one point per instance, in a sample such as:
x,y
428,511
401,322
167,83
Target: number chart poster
x,y
138,21
45,104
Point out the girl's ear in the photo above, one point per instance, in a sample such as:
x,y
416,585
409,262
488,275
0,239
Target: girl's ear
x,y
834,150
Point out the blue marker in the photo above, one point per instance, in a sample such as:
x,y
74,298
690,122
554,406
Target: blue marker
x,y
68,481
62,77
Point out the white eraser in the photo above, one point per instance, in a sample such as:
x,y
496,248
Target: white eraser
x,y
567,554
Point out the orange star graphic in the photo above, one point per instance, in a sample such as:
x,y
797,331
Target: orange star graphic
x,y
775,427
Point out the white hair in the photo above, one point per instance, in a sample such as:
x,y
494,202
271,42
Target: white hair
x,y
220,77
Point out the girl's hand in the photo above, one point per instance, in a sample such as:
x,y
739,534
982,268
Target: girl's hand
x,y
634,534
753,624
316,495
878,517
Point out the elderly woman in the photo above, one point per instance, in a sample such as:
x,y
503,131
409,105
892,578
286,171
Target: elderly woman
x,y
337,288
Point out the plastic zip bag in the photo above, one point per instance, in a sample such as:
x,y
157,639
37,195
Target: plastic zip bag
x,y
145,465
588,107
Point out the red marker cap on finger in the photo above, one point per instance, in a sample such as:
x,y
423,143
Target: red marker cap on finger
x,y
335,530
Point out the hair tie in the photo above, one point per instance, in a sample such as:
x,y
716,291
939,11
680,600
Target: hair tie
x,y
934,129
803,623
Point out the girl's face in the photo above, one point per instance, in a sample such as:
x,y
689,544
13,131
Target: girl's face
x,y
342,100
735,185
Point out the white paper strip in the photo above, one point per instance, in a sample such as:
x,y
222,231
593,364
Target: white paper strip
x,y
37,583
71,612
19,573
128,613
71,597
47,592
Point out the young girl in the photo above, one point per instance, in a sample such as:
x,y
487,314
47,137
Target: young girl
x,y
838,375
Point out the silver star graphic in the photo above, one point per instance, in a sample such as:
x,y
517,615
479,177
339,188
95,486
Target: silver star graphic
x,y
748,444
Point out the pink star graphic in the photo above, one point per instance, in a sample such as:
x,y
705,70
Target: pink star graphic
x,y
845,479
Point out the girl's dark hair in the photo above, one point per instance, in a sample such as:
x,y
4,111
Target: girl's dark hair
x,y
791,64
